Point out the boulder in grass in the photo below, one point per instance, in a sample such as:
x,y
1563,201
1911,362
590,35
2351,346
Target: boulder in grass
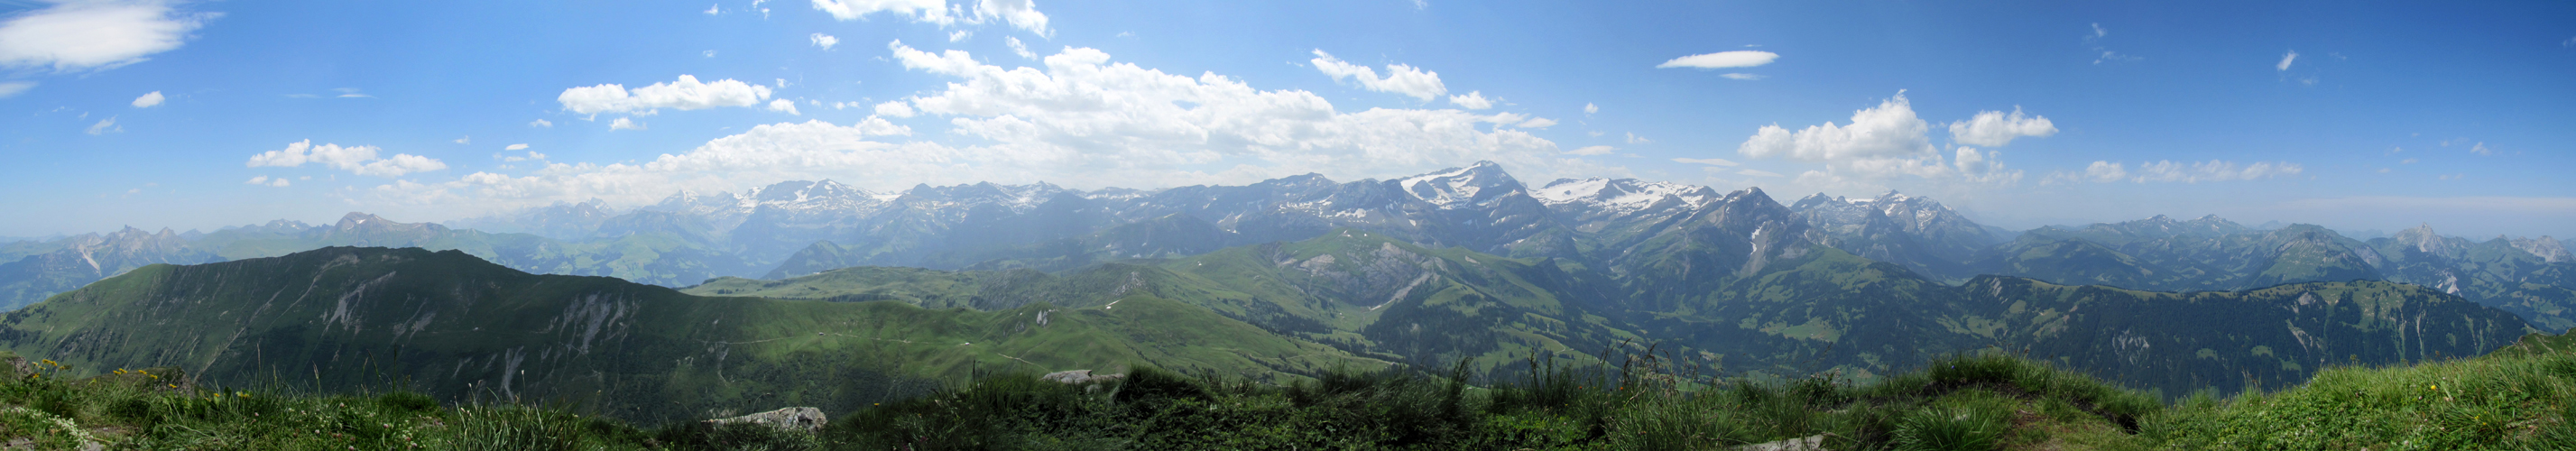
x,y
1079,377
803,419
1808,443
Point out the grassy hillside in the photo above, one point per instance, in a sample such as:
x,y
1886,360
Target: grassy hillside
x,y
456,327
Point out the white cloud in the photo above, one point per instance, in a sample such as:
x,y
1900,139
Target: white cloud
x,y
1706,161
1889,130
2481,149
1756,173
1994,129
1020,14
265,181
356,159
931,11
1400,79
541,123
1880,143
2210,171
2106,172
959,35
2449,176
2285,61
894,109
1473,100
1720,60
148,100
784,105
685,94
709,53
624,124
1018,48
1080,119
1746,77
532,155
1589,108
2406,161
468,139
105,126
824,40
1634,139
12,88
715,9
2099,32
2570,42
2384,170
1536,122
85,35
515,147
1593,150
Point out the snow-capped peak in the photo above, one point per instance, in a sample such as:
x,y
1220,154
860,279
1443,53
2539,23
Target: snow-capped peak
x,y
1459,186
1618,196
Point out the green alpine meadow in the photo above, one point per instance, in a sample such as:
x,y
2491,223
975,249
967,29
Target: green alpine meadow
x,y
1356,225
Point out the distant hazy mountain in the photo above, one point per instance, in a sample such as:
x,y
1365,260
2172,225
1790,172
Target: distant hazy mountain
x,y
1813,309
2210,253
1916,232
78,260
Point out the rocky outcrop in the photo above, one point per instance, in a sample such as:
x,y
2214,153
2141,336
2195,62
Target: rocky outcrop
x,y
798,419
1078,377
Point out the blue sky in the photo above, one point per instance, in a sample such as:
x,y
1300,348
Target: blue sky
x,y
2352,115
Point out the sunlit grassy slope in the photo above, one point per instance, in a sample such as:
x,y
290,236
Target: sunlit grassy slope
x,y
453,326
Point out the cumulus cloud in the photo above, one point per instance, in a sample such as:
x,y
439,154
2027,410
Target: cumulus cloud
x,y
532,155
105,126
1994,129
2105,172
94,35
1592,150
824,40
784,106
360,160
1021,14
686,94
1078,119
1889,130
265,181
2285,61
1634,139
2481,149
959,35
1589,108
1019,48
515,147
1721,60
1473,100
1536,122
894,109
148,100
625,124
1880,143
1400,79
12,88
541,123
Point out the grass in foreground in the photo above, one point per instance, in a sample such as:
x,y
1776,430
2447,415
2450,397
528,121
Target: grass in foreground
x,y
2515,399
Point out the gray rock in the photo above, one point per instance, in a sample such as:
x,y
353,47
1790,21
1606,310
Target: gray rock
x,y
805,419
1078,377
1808,443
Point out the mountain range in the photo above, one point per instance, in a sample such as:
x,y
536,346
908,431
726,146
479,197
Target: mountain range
x,y
1465,264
